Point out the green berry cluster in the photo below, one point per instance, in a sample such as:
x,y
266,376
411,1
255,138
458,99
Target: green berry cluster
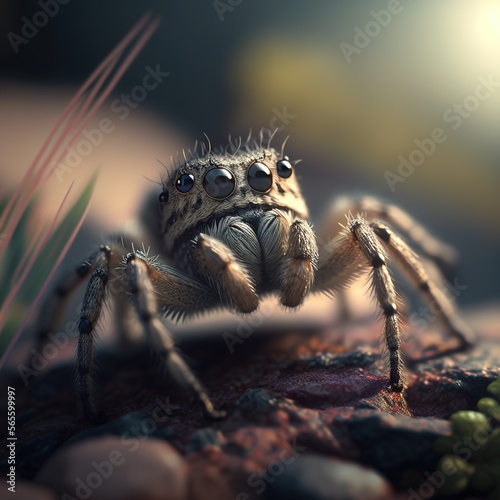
x,y
472,453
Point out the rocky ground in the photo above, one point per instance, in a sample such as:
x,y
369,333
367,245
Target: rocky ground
x,y
309,417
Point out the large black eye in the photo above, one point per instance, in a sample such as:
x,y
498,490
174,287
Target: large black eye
x,y
285,168
184,183
164,197
260,177
218,183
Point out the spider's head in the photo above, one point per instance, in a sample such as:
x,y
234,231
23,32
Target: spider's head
x,y
223,182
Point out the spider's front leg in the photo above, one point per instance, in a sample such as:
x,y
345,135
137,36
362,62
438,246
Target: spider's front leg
x,y
346,256
362,243
444,255
97,266
144,298
90,314
430,292
182,295
151,284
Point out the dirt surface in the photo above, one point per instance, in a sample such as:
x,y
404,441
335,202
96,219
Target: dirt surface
x,y
308,413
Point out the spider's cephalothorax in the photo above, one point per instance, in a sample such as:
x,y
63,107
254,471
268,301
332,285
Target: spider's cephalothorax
x,y
234,227
218,185
238,210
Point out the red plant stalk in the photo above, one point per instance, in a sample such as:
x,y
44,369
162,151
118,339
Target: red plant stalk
x,y
72,115
44,286
19,201
13,292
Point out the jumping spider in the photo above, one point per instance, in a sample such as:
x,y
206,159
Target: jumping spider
x,y
234,227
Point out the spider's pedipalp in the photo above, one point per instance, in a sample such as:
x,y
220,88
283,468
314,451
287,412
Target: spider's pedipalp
x,y
300,263
219,265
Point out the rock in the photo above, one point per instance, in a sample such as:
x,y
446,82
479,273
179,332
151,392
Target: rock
x,y
394,443
256,401
135,423
204,438
31,491
116,469
356,358
315,477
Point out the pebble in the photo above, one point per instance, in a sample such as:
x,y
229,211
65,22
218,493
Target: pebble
x,y
316,477
110,468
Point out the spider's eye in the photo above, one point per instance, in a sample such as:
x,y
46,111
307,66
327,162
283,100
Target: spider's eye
x,y
164,197
218,183
260,177
184,183
285,168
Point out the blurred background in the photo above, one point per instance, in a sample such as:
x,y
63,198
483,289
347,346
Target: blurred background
x,y
357,86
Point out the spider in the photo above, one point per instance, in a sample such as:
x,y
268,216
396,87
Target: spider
x,y
234,227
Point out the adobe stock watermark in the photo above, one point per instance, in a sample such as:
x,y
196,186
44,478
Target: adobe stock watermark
x,y
454,117
420,320
223,6
279,121
363,36
260,480
462,449
131,439
247,326
121,107
41,356
31,27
